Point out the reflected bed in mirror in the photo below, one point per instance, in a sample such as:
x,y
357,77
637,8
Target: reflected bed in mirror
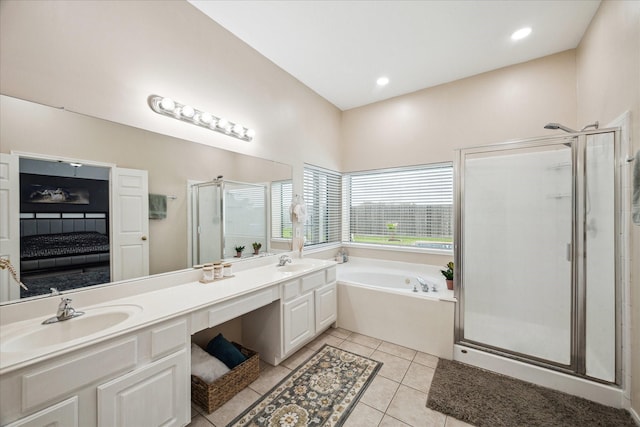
x,y
34,131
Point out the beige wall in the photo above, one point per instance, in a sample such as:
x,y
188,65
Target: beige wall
x,y
104,58
608,80
426,126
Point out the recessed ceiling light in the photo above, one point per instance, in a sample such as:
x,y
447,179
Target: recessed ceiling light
x,y
382,81
521,33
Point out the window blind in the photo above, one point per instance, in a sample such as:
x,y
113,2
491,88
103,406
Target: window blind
x,y
322,196
281,195
403,207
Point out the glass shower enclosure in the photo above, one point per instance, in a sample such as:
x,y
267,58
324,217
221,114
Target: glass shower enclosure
x,y
536,266
226,214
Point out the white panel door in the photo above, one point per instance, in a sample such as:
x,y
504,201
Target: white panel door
x,y
299,321
326,306
130,224
156,395
9,223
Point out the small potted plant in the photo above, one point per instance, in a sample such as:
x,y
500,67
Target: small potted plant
x,y
392,226
256,247
448,274
239,250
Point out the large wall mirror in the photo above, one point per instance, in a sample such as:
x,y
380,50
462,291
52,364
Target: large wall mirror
x,y
69,163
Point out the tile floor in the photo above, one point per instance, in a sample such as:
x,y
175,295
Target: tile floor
x,y
395,398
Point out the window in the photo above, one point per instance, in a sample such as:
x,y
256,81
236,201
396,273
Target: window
x,y
402,207
281,195
322,196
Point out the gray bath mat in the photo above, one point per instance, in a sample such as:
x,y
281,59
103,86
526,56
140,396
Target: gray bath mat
x,y
484,398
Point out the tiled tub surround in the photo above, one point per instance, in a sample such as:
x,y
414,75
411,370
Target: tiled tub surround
x,y
149,351
375,300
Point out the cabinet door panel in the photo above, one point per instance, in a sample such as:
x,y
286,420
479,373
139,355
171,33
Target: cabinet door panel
x,y
162,385
299,321
63,414
326,306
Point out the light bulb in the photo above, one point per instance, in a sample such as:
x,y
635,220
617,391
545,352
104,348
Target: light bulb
x,y
206,118
250,133
521,33
223,123
382,81
188,111
167,104
238,129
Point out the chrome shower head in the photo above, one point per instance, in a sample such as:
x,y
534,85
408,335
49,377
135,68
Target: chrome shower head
x,y
555,126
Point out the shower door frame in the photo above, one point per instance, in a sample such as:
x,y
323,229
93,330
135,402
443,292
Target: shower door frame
x,y
578,143
195,188
221,183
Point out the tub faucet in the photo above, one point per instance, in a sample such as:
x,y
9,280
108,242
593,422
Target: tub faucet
x,y
423,283
284,259
65,312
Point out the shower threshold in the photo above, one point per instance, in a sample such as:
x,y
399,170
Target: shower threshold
x,y
610,395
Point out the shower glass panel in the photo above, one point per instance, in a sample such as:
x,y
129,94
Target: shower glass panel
x,y
516,249
600,257
245,216
208,216
227,214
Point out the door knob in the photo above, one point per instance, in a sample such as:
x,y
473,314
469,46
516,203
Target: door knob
x,y
144,237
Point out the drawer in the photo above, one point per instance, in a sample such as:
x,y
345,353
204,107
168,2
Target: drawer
x,y
290,290
58,379
312,281
331,275
61,414
241,305
168,337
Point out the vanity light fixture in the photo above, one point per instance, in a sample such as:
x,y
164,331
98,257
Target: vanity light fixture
x,y
170,108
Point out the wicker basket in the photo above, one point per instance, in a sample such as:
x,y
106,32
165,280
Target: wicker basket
x,y
212,396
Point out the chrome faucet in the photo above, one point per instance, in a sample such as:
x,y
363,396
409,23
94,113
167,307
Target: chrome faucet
x,y
284,259
423,283
65,312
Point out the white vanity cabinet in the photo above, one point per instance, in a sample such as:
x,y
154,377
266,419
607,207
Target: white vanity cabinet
x,y
125,401
298,321
63,414
307,307
326,299
107,384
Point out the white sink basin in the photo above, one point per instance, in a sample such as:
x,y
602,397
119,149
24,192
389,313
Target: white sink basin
x,y
295,268
93,321
299,265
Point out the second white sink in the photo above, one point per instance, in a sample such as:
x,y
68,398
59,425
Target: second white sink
x,y
93,321
295,268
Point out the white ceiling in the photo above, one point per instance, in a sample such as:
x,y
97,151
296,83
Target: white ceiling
x,y
340,48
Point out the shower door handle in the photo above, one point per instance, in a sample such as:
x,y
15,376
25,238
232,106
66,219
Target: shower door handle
x,y
569,252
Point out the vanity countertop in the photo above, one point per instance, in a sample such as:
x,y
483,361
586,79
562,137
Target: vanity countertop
x,y
153,307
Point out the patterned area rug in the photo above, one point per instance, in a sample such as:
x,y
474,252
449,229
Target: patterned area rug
x,y
484,398
320,392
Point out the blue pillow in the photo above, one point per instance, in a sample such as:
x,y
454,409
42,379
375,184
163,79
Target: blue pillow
x,y
226,352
